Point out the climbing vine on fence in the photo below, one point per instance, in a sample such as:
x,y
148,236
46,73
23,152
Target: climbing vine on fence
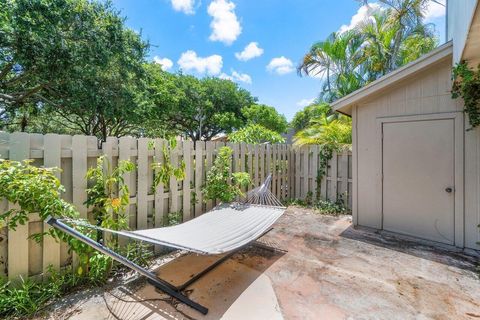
x,y
466,85
164,169
221,184
109,195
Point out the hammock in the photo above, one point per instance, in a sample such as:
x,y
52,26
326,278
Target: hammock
x,y
225,229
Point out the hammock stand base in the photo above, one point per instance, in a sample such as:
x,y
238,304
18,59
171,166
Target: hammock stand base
x,y
152,278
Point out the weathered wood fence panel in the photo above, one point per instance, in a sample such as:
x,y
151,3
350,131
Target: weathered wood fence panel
x,y
294,175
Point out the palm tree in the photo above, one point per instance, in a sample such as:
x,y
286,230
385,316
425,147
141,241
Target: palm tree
x,y
332,130
388,45
348,61
336,60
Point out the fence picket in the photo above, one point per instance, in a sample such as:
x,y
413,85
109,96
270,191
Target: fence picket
x,y
294,171
250,164
187,207
52,158
298,173
210,146
243,152
19,149
142,184
305,171
199,176
343,169
314,186
256,165
279,171
274,169
333,178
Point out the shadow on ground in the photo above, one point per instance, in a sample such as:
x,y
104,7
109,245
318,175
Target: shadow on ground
x,y
435,252
217,290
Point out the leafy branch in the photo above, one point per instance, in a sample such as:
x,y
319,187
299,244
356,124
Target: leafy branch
x,y
220,184
466,85
164,170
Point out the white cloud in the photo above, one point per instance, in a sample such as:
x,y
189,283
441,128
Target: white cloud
x,y
164,62
281,65
185,6
236,76
305,102
435,10
225,25
252,50
211,65
364,13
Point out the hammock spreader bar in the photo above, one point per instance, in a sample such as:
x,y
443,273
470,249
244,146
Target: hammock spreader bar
x,y
153,279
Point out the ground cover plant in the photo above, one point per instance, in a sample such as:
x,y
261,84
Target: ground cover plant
x,y
321,206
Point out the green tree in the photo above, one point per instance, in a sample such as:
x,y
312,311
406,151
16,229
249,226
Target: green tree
x,y
74,58
197,108
255,134
375,47
265,116
335,132
302,118
389,45
338,60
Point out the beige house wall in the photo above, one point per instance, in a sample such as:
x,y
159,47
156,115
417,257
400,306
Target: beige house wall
x,y
472,187
419,94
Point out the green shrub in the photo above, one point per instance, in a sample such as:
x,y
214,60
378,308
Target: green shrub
x,y
173,218
27,297
34,190
255,134
322,206
466,85
220,184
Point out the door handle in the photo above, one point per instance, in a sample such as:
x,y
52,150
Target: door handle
x,y
449,189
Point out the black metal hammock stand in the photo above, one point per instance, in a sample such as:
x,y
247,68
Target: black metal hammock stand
x,y
224,230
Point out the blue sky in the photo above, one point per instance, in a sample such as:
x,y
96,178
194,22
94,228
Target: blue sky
x,y
256,43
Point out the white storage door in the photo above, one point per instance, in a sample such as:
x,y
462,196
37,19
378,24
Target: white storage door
x,y
418,179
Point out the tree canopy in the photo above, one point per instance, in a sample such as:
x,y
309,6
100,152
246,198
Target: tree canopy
x,y
255,134
302,118
349,60
197,108
74,58
390,38
266,116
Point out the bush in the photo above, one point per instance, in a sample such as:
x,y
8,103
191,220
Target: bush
x,y
322,206
34,190
37,190
220,184
27,297
255,134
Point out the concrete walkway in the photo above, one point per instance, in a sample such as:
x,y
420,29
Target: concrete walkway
x,y
331,271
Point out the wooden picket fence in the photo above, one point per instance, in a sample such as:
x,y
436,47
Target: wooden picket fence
x,y
294,173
